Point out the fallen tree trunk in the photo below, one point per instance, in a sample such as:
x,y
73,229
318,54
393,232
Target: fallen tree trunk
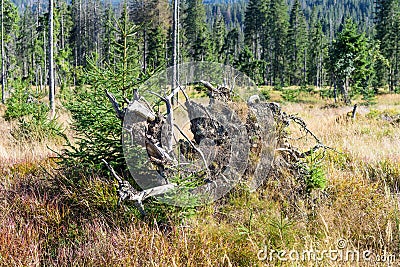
x,y
225,145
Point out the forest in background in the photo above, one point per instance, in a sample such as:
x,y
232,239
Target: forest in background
x,y
352,46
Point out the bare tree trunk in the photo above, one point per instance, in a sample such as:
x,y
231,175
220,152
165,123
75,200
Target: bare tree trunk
x,y
79,37
3,75
319,72
51,61
354,112
305,66
317,77
175,56
144,49
125,55
31,64
45,51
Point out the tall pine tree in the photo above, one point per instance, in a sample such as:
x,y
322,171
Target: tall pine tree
x,y
317,53
218,38
350,61
297,46
255,26
388,33
196,31
277,26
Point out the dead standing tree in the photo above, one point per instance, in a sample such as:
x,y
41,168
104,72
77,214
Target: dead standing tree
x,y
211,142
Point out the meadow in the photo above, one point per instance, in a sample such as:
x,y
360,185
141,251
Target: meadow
x,y
49,219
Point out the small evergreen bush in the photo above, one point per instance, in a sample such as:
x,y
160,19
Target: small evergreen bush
x,y
290,95
31,115
316,178
22,102
266,94
98,130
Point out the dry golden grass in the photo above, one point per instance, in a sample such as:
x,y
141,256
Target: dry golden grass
x,y
14,150
46,221
364,138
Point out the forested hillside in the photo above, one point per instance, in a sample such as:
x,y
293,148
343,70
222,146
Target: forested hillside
x,y
329,12
275,42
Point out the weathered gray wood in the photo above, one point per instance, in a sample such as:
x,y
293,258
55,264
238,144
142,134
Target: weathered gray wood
x,y
354,112
118,111
208,85
52,75
155,132
194,147
127,192
135,106
141,110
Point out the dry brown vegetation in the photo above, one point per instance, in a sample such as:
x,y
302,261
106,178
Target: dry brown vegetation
x,y
45,219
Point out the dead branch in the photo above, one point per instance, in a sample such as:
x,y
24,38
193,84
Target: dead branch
x,y
208,85
136,95
194,147
141,110
119,112
221,93
157,152
170,119
184,93
303,125
354,112
127,192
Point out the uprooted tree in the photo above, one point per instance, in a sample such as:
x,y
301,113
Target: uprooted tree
x,y
227,142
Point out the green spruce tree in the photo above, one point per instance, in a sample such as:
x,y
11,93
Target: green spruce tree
x,y
388,33
98,130
317,54
297,46
255,24
218,38
275,48
350,60
196,31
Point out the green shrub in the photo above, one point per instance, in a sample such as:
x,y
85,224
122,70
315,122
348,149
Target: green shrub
x,y
306,89
315,179
22,102
31,115
37,127
98,130
266,94
326,93
290,95
369,96
278,87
